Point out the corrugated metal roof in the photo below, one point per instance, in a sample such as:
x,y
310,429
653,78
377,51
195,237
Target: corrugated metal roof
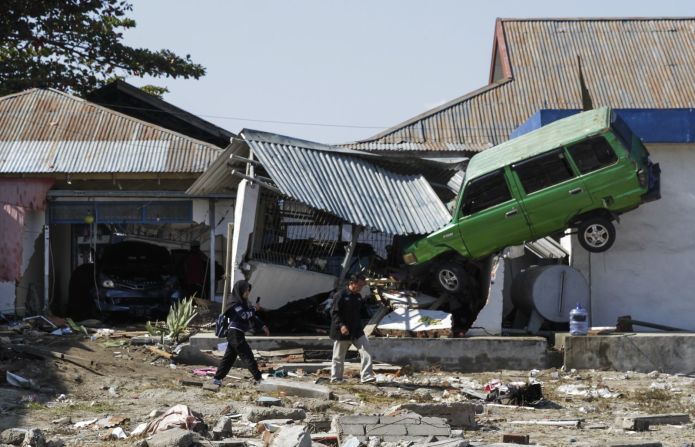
x,y
348,185
554,135
625,62
46,131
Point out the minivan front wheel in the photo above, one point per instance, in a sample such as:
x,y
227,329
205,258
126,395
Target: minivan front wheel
x,y
450,277
596,234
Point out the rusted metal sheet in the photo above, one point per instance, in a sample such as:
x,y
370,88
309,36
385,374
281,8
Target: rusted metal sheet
x,y
46,131
626,63
349,186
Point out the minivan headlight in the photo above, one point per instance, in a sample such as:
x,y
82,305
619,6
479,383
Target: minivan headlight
x,y
410,258
108,284
642,177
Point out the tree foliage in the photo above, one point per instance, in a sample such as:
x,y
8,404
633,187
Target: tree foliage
x,y
76,45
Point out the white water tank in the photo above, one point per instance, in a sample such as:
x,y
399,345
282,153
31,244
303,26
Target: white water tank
x,y
551,291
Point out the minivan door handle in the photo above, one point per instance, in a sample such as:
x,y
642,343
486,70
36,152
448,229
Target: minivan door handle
x,y
575,191
511,213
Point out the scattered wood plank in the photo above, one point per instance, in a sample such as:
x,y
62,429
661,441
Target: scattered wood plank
x,y
515,438
159,352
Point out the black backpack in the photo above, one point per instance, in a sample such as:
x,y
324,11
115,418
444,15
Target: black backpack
x,y
222,326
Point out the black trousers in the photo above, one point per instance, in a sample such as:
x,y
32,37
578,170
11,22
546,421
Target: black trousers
x,y
237,346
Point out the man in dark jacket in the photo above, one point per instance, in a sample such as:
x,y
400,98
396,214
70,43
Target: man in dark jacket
x,y
241,317
346,330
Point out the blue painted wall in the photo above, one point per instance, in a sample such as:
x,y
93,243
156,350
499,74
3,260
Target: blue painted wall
x,y
651,125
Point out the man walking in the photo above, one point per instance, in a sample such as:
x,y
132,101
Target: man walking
x,y
346,330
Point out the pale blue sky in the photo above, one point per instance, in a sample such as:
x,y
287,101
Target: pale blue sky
x,y
367,64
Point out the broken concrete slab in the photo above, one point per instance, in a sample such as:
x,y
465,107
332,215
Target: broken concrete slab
x,y
460,414
446,442
291,436
402,426
13,436
223,428
254,413
293,388
176,437
642,423
192,355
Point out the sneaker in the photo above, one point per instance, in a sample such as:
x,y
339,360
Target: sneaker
x,y
217,382
336,381
369,380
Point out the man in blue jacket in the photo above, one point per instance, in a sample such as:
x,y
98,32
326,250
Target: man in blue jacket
x,y
346,330
241,317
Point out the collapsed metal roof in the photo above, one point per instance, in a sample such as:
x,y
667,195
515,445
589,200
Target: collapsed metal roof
x,y
47,131
351,185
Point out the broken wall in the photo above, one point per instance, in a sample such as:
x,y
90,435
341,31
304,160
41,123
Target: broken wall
x,y
648,273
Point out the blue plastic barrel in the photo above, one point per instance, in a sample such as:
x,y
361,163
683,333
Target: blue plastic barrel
x,y
579,321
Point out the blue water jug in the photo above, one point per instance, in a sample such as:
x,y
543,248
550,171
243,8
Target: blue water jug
x,y
579,321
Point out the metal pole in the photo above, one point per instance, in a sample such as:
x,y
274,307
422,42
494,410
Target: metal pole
x,y
227,266
348,254
211,213
46,267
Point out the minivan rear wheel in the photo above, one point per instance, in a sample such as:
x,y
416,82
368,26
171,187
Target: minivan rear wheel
x,y
450,277
596,234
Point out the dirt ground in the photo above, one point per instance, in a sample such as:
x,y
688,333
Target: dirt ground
x,y
131,381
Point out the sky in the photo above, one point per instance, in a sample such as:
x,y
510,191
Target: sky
x,y
335,71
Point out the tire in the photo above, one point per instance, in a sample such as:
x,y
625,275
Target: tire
x,y
596,235
450,277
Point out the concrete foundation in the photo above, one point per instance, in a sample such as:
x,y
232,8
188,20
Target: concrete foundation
x,y
668,353
472,354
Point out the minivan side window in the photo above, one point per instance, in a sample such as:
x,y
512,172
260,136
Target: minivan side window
x,y
484,192
542,171
592,154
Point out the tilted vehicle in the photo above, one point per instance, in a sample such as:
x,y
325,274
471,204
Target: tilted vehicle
x,y
579,172
135,278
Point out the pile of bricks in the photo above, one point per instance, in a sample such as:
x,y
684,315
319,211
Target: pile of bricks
x,y
391,428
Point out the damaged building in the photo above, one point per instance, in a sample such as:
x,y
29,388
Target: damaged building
x,y
78,177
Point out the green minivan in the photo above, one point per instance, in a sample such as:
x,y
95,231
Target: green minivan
x,y
578,172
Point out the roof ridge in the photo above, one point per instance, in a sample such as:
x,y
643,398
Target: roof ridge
x,y
589,19
433,111
121,115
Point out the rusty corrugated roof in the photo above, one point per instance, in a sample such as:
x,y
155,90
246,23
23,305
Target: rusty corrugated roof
x,y
47,131
625,62
348,185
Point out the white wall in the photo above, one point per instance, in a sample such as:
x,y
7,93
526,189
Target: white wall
x,y
650,271
278,285
224,213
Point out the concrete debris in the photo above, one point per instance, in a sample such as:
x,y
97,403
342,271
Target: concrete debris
x,y
388,427
293,388
254,413
34,438
642,423
461,414
416,322
587,391
576,423
267,401
118,433
176,437
223,428
191,355
291,436
13,436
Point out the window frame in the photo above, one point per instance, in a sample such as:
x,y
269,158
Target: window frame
x,y
569,162
576,165
501,171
